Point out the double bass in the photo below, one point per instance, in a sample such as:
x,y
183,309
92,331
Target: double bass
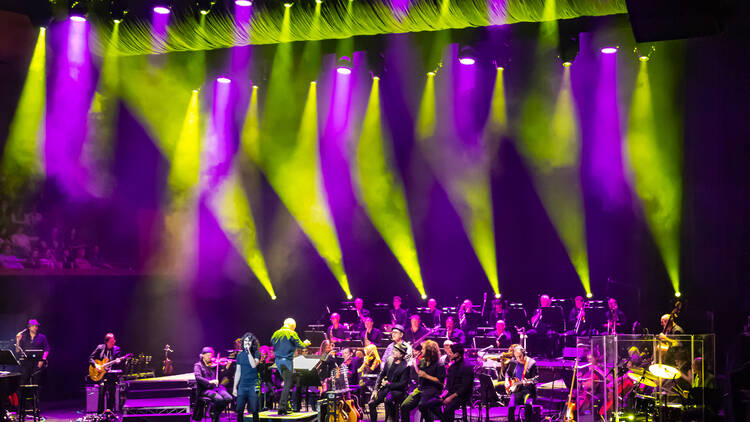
x,y
166,367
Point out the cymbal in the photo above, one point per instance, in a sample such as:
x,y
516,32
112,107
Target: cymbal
x,y
641,378
664,371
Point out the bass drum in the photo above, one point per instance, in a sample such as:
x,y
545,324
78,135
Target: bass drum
x,y
644,404
671,412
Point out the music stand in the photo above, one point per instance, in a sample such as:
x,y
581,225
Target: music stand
x,y
553,317
316,337
7,358
482,342
515,317
349,343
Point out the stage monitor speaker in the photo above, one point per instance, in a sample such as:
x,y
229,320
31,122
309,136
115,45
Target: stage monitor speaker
x,y
659,20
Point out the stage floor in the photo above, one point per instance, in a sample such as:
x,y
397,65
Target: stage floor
x,y
73,411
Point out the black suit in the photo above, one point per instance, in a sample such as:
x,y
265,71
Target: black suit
x,y
108,384
460,380
375,336
393,393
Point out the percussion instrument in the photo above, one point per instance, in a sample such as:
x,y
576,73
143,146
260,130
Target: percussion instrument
x,y
664,371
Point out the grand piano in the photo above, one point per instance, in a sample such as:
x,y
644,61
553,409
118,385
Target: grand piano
x,y
10,378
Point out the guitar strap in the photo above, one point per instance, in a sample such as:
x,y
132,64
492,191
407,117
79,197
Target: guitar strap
x,y
525,366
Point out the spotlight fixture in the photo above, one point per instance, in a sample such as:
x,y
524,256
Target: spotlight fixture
x,y
609,50
424,297
677,294
223,80
466,55
204,6
319,1
288,4
497,295
568,43
243,3
589,295
350,297
77,11
117,10
344,65
161,9
644,52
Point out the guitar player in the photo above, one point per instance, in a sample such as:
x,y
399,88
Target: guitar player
x,y
520,381
108,384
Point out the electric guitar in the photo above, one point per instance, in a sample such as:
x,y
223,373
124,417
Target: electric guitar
x,y
570,406
97,372
512,385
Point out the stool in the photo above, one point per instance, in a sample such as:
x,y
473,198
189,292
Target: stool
x,y
28,402
202,408
464,414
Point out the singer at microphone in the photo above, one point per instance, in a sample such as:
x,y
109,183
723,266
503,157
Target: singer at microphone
x,y
27,340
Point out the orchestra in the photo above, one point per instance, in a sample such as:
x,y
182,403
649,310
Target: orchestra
x,y
416,373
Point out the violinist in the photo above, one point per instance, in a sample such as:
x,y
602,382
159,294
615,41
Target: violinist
x,y
369,369
206,372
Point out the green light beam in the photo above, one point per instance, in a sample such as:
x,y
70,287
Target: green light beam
x,y
383,193
291,162
426,117
552,148
232,209
23,157
656,173
184,172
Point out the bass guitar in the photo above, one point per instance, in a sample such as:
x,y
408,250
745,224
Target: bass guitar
x,y
101,367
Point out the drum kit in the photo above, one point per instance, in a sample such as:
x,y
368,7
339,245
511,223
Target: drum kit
x,y
645,402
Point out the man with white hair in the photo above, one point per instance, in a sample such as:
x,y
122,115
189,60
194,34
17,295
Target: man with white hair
x,y
285,342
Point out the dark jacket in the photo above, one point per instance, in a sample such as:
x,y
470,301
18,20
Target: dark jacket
x,y
400,316
460,380
456,336
435,318
435,369
375,336
203,376
397,376
285,342
38,343
532,375
412,337
102,352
